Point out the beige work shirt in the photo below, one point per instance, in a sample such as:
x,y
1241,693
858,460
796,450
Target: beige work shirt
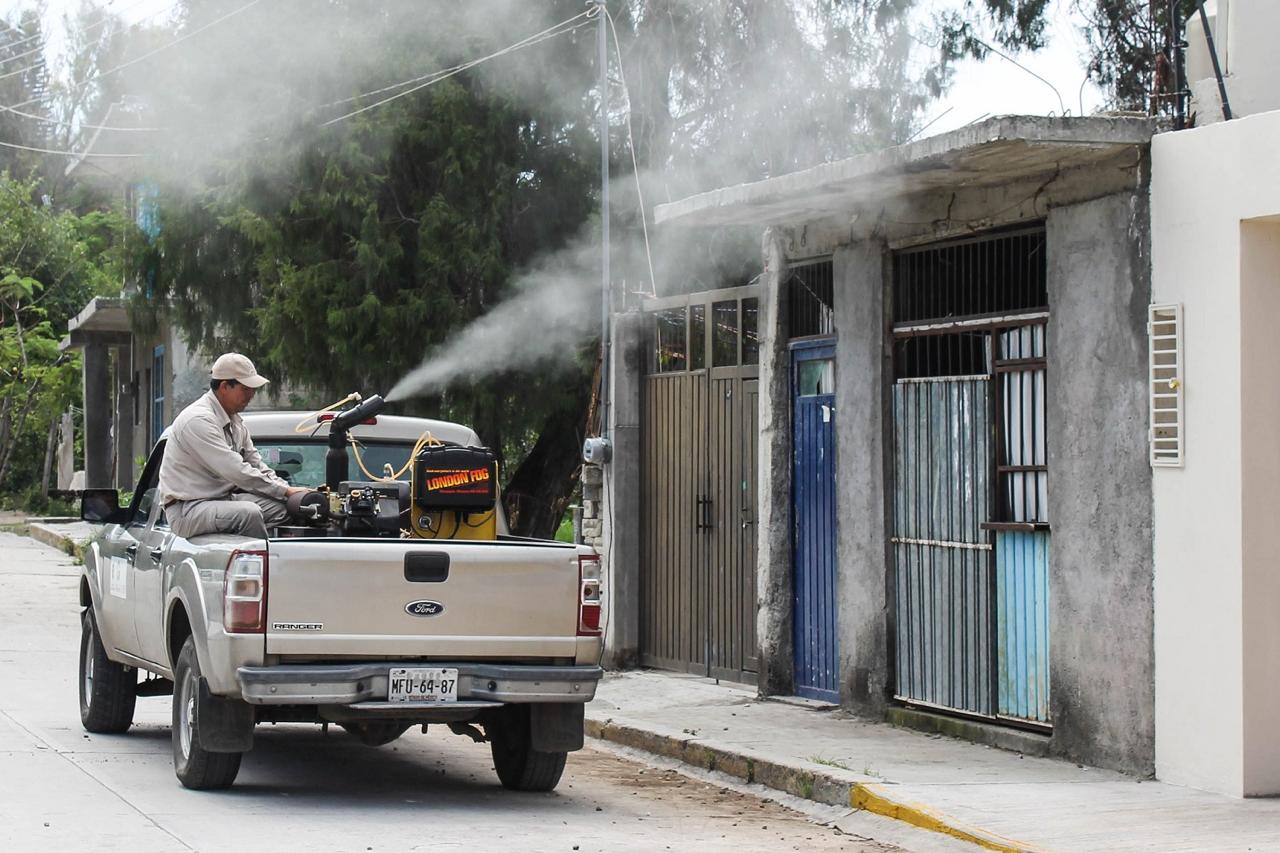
x,y
209,455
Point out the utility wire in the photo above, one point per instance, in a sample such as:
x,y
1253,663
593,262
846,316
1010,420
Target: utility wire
x,y
631,144
65,153
105,14
438,76
33,66
179,40
60,123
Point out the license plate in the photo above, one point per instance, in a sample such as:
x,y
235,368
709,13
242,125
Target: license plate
x,y
418,684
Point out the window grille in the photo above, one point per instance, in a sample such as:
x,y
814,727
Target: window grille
x,y
810,297
1002,273
671,345
1164,334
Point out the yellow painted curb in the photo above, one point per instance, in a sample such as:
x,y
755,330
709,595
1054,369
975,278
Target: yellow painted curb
x,y
872,798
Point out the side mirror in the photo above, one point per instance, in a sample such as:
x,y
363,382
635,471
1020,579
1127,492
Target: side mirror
x,y
101,506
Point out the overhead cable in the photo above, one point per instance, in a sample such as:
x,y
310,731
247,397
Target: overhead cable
x,y
179,40
66,153
443,74
631,144
104,16
33,66
76,125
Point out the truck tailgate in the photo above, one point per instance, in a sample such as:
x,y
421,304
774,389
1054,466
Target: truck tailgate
x,y
393,597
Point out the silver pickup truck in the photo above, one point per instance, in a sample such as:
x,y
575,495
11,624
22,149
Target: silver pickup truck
x,y
352,617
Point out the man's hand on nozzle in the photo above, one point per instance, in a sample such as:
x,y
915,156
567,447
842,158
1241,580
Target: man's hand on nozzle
x,y
296,490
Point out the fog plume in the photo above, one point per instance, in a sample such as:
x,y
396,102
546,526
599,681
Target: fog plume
x,y
552,309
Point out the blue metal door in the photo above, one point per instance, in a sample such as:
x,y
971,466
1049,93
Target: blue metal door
x,y
814,519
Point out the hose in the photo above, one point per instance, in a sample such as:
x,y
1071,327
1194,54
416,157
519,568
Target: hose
x,y
423,441
303,425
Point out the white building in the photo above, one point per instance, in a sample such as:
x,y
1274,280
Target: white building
x,y
1215,235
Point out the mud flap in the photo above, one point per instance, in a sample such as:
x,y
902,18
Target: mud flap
x,y
223,724
555,726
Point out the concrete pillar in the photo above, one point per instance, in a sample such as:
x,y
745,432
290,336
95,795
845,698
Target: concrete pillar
x,y
1101,652
773,564
124,417
622,493
863,368
97,416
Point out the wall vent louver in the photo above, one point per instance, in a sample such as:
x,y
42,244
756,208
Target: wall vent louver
x,y
1165,385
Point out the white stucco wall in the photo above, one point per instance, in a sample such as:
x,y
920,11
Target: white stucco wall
x,y
1215,616
1244,34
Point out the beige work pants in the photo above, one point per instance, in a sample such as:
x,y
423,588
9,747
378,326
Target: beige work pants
x,y
244,513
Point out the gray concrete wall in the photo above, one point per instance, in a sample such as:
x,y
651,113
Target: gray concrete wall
x,y
773,532
621,550
1100,499
861,381
97,417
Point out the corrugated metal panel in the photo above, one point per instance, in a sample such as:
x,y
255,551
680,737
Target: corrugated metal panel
x,y
814,511
941,555
1022,586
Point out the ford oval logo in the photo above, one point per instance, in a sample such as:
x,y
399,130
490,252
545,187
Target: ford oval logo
x,y
424,608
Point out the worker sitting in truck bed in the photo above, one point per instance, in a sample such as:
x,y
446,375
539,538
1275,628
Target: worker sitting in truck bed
x,y
212,478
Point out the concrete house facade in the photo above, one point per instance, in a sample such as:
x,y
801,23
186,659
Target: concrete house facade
x,y
1012,461
954,497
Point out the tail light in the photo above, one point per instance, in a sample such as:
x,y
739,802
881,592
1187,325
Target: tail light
x,y
244,593
589,588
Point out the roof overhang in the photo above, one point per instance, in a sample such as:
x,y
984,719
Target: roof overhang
x,y
1001,150
105,320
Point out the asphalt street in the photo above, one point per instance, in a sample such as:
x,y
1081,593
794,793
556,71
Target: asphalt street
x,y
302,789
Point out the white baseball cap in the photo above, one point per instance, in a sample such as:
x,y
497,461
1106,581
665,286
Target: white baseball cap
x,y
233,365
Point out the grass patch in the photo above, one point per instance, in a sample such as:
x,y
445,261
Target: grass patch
x,y
564,533
830,762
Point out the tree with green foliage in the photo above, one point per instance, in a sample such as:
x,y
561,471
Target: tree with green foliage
x,y
50,265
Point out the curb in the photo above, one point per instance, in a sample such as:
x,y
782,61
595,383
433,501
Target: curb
x,y
815,785
47,535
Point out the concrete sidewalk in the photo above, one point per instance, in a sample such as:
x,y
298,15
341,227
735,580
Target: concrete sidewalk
x,y
997,799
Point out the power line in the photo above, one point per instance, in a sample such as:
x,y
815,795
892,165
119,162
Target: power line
x,y
65,153
631,143
179,40
101,19
443,74
60,123
36,65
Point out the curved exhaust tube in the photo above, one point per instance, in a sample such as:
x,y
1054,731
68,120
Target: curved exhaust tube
x,y
335,459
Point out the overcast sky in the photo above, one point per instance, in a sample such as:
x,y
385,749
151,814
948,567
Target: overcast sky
x,y
994,86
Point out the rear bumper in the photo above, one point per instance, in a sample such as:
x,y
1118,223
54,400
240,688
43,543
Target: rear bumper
x,y
365,684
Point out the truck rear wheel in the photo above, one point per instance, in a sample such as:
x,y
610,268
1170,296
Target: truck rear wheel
x,y
108,690
195,766
520,767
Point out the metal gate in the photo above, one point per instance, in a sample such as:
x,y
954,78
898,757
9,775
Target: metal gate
x,y
970,517
698,493
814,520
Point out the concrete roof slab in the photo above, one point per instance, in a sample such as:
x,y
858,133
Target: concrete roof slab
x,y
102,314
997,151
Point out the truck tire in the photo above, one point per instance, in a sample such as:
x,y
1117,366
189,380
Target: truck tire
x,y
108,690
520,767
196,767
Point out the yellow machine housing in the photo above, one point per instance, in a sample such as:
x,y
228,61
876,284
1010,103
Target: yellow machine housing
x,y
454,493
